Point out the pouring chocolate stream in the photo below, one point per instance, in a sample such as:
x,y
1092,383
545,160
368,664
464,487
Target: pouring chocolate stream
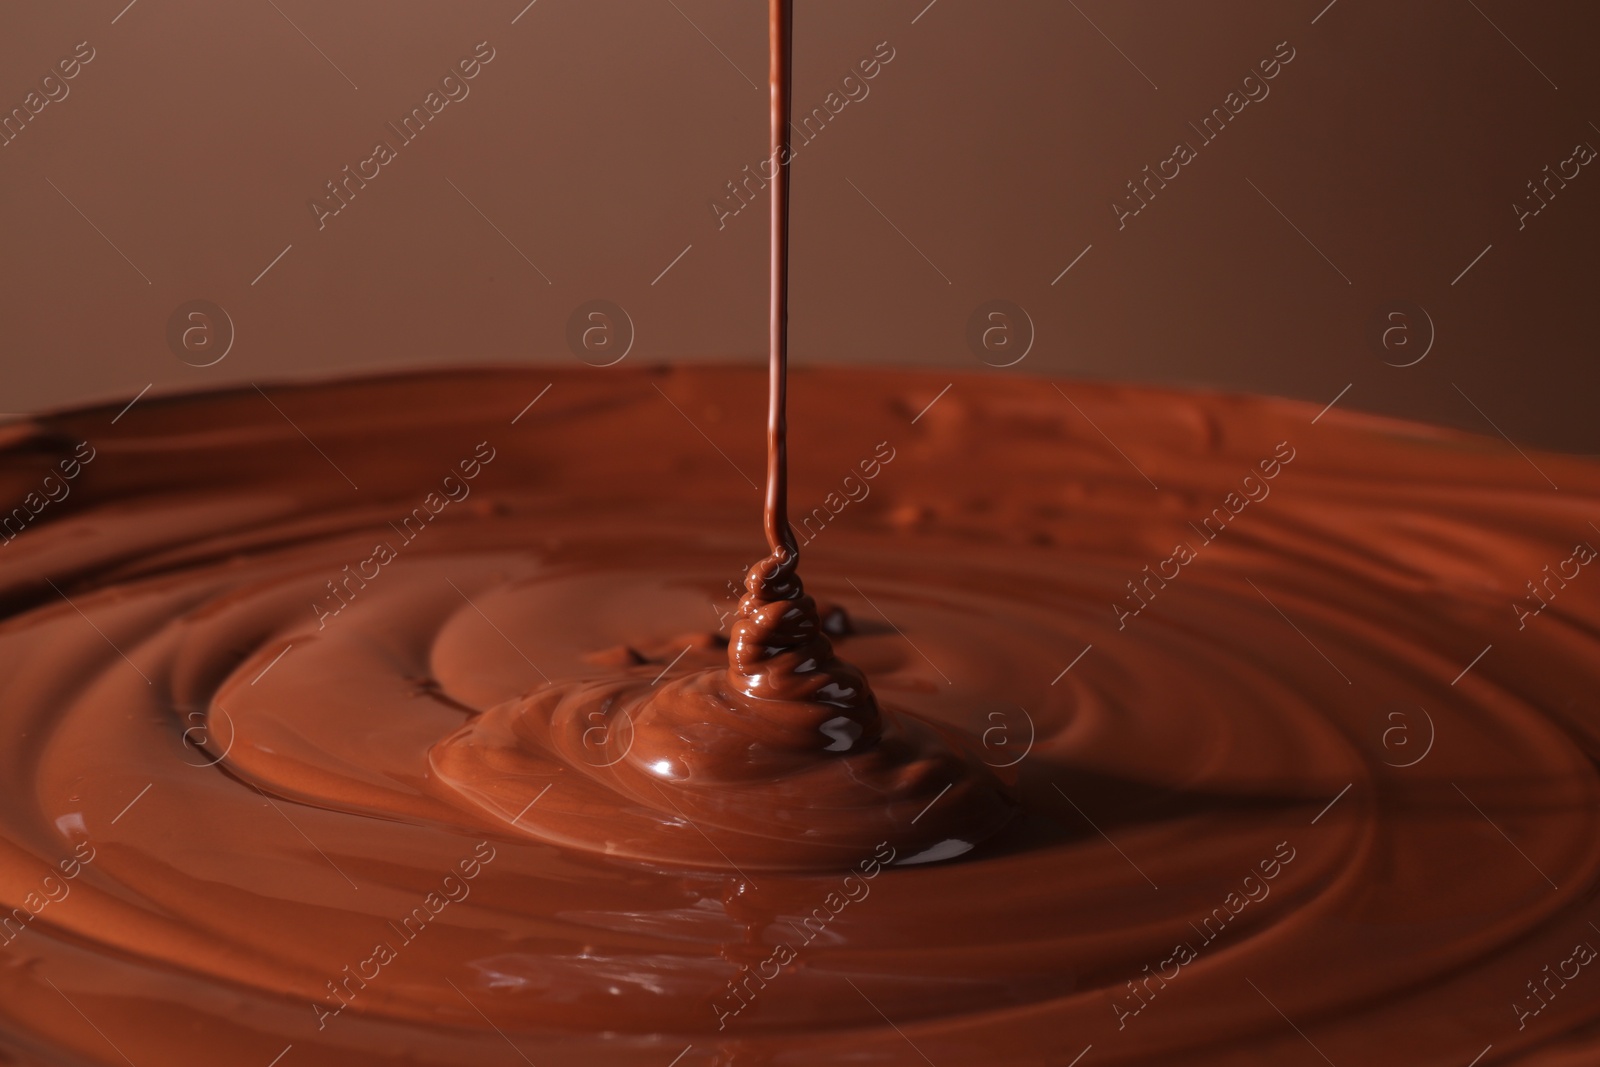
x,y
782,760
232,833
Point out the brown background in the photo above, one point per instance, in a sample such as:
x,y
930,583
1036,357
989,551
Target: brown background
x,y
1396,141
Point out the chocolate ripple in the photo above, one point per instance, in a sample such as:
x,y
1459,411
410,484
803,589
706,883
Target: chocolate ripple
x,y
292,739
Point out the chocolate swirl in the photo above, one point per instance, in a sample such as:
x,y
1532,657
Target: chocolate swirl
x,y
251,805
782,759
780,651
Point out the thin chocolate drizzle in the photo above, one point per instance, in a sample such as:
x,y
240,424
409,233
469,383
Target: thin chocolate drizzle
x,y
779,650
781,760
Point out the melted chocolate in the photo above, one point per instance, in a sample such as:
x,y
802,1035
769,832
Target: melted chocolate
x,y
256,782
782,759
411,772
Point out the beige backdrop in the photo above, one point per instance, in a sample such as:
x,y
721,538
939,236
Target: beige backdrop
x,y
1375,174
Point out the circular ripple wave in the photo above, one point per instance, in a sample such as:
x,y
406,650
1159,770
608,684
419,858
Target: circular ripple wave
x,y
1301,713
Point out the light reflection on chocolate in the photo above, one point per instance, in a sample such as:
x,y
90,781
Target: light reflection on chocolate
x,y
781,759
225,902
485,803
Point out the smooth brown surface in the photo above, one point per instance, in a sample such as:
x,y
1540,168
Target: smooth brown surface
x,y
225,734
1399,141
